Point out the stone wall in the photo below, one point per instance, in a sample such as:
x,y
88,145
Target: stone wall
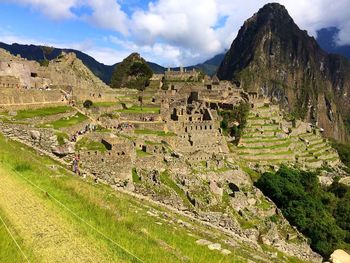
x,y
114,168
75,128
155,126
140,116
21,98
42,138
9,82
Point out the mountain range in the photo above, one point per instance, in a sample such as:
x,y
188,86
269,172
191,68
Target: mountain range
x,y
325,37
104,72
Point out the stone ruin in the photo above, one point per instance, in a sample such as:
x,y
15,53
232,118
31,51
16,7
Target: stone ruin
x,y
181,75
198,133
21,80
113,165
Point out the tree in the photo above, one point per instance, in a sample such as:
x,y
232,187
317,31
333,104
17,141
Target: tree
x,y
46,51
132,72
230,118
309,207
87,104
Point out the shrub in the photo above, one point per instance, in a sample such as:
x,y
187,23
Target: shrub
x,y
240,114
87,104
323,215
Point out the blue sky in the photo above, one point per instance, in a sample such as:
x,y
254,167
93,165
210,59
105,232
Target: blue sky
x,y
168,32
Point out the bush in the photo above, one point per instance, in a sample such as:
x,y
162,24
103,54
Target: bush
x,y
44,63
343,151
87,104
132,72
323,215
240,114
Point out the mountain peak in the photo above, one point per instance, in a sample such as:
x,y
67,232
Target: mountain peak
x,y
272,14
273,8
274,57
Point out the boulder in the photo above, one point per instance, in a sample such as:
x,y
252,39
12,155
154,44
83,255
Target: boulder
x,y
214,246
35,135
339,256
63,150
225,252
203,242
215,189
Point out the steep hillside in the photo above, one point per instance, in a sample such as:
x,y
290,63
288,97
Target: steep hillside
x,y
273,57
132,72
211,65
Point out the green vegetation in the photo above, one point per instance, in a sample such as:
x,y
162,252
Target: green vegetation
x,y
44,62
42,112
105,104
68,121
88,104
323,215
61,136
135,177
238,114
9,251
89,145
254,176
141,153
139,109
343,151
151,132
133,72
122,218
166,180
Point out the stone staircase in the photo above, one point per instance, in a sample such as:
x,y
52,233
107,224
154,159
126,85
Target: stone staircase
x,y
269,140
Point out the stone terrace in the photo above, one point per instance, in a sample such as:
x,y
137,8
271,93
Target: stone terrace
x,y
268,139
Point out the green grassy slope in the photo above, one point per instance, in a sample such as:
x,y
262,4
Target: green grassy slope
x,y
123,219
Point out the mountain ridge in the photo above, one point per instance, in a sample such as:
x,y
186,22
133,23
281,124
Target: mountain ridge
x,y
273,57
103,71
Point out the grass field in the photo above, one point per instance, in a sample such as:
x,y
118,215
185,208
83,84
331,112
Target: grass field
x,y
141,153
138,109
66,122
122,218
87,144
157,133
8,248
105,104
31,113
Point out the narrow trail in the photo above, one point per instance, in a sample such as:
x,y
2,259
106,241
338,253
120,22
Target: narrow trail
x,y
50,236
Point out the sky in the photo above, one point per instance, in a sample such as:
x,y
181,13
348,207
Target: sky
x,y
167,32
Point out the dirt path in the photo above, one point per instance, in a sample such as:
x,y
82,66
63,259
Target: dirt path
x,y
41,228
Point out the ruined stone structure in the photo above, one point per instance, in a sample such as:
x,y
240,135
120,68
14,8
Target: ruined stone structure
x,y
20,79
113,165
9,82
198,133
182,75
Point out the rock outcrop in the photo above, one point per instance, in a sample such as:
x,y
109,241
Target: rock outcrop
x,y
271,56
340,256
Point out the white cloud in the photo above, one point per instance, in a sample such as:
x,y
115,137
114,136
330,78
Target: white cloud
x,y
52,8
105,13
187,25
108,14
107,56
187,31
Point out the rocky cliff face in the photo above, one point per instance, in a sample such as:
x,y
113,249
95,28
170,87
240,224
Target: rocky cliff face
x,y
273,57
